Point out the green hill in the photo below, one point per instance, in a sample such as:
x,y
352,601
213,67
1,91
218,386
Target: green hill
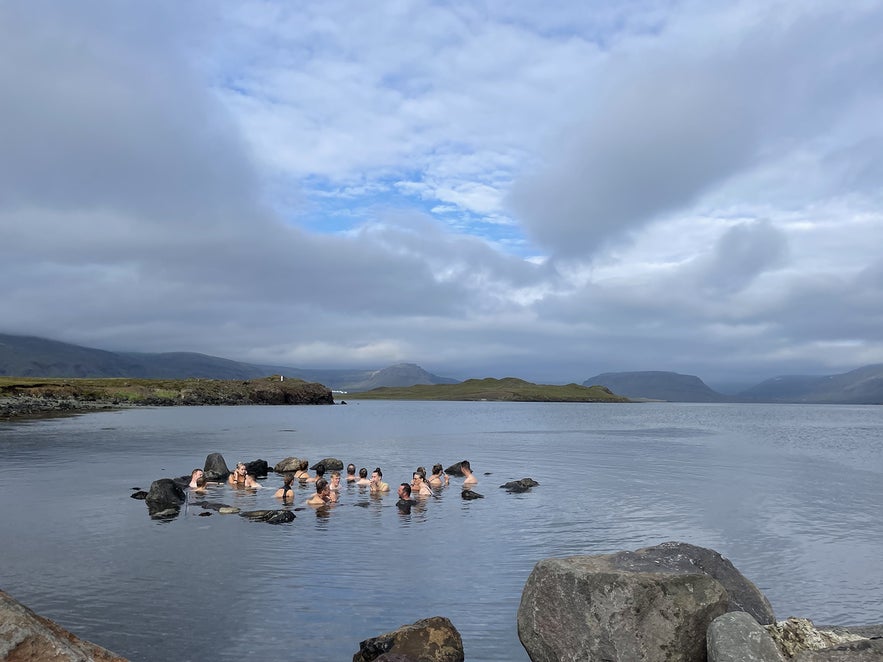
x,y
509,389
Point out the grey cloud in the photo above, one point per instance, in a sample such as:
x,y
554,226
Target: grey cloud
x,y
668,125
744,252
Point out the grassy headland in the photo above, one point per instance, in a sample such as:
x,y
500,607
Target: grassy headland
x,y
35,396
509,389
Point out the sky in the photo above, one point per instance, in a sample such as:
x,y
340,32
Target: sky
x,y
546,190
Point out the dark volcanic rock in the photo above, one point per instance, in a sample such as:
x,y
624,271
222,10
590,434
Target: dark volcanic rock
x,y
454,469
331,464
522,485
469,495
258,468
165,498
269,516
288,465
429,640
140,494
215,468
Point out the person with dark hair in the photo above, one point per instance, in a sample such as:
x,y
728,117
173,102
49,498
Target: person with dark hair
x,y
377,484
323,494
438,477
320,473
363,477
470,478
285,492
194,476
405,501
200,484
302,473
351,473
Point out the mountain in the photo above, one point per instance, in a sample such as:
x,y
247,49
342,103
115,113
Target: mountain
x,y
657,385
863,386
28,356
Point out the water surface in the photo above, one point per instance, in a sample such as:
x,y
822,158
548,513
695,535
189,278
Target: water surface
x,y
791,494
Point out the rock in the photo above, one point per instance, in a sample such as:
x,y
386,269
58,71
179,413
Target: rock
x,y
454,469
737,637
269,516
212,505
258,468
215,468
865,650
140,494
523,485
164,497
331,464
685,558
228,510
592,608
288,465
794,635
429,640
469,495
25,637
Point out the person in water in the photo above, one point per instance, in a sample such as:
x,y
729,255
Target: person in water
x,y
377,484
286,493
351,473
419,486
194,476
438,477
201,482
405,501
302,473
241,478
335,481
320,473
470,478
363,477
323,495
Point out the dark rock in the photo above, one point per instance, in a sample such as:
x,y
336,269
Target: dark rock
x,y
288,465
331,464
211,505
522,485
26,636
258,468
269,516
685,558
205,514
469,495
429,640
737,637
164,496
455,469
591,608
215,468
140,494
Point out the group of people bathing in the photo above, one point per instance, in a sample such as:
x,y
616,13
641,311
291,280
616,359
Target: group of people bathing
x,y
328,491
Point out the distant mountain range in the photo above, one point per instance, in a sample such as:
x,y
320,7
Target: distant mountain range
x,y
861,386
28,356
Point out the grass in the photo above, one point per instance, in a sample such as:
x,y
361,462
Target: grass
x,y
509,389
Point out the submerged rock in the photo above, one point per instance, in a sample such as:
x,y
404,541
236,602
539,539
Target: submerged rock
x,y
523,485
165,498
269,516
258,468
469,495
429,640
331,464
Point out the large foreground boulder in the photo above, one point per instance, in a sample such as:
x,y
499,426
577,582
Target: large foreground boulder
x,y
429,640
600,608
27,637
737,637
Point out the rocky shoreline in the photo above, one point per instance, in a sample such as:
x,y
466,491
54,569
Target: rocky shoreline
x,y
37,398
673,602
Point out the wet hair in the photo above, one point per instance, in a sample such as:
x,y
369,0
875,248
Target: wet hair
x,y
351,469
321,484
303,465
320,470
465,463
437,469
421,471
378,471
363,473
288,480
406,489
335,473
193,473
201,481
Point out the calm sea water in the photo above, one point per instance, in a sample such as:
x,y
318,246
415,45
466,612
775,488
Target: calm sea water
x,y
793,495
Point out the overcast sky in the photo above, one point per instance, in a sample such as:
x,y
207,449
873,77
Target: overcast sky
x,y
543,189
